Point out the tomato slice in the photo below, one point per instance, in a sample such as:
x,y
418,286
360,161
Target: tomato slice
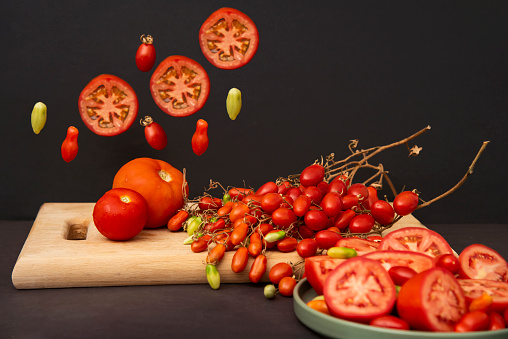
x,y
108,105
432,301
416,239
228,38
481,262
359,289
417,261
180,86
498,290
317,269
361,246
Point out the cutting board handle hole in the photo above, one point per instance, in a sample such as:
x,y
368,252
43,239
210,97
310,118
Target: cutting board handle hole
x,y
76,231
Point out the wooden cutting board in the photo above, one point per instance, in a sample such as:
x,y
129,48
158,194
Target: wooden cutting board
x,y
65,249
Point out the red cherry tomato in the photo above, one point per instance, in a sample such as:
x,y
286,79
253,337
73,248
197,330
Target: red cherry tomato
x,y
305,231
496,321
218,225
432,301
475,288
70,144
481,262
200,137
154,134
209,203
288,244
240,260
362,223
314,194
283,217
108,105
316,220
343,219
473,321
228,38
382,212
450,262
337,185
317,269
349,201
269,187
255,245
293,193
271,201
287,286
145,55
312,175
176,221
323,187
331,204
401,274
390,321
326,239
405,202
360,290
258,268
360,191
180,86
372,197
307,248
239,193
301,205
120,214
200,244
239,233
283,187
216,254
279,271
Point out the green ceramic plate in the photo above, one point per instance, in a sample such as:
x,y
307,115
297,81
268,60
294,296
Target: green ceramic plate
x,y
338,328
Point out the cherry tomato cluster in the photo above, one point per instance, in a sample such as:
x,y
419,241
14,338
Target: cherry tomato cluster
x,y
411,279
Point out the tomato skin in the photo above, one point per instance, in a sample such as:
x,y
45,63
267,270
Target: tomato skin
x,y
240,260
158,182
293,193
405,203
200,138
239,233
301,205
343,219
331,204
156,136
390,321
199,245
401,274
216,254
337,185
449,262
238,212
283,217
255,245
220,224
120,214
415,306
360,191
175,223
314,194
145,55
362,223
269,187
481,262
271,201
326,239
318,305
307,248
312,175
258,268
287,286
288,244
349,201
382,212
218,52
279,271
473,321
496,321
206,203
505,316
70,144
104,88
316,220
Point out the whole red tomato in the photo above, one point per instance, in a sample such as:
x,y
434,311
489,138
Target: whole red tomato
x,y
154,134
70,144
120,214
405,202
158,182
200,138
145,55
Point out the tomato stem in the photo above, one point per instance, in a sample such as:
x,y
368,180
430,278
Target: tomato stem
x,y
146,39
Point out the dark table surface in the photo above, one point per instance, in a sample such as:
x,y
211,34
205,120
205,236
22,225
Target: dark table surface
x,y
170,311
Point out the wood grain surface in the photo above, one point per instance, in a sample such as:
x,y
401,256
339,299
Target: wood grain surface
x,y
65,249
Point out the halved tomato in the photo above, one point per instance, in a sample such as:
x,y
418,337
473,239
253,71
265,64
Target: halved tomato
x,y
108,105
180,86
361,246
416,239
228,38
498,290
417,261
317,269
359,289
432,301
481,262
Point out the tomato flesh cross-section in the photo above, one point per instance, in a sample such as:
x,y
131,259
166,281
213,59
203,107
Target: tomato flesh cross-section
x,y
108,105
481,262
180,86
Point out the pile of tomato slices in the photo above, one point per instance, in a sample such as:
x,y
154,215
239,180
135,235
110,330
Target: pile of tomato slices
x,y
412,279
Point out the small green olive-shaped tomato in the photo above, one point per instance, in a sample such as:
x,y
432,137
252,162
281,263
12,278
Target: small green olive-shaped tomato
x,y
270,291
341,252
234,103
193,224
275,236
39,117
213,276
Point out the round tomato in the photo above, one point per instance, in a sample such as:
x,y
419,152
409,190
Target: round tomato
x,y
416,239
313,193
432,301
473,321
331,204
312,175
271,201
416,261
316,220
390,321
475,288
108,105
382,212
405,202
401,274
158,182
362,223
337,185
481,262
180,86
450,262
307,248
359,190
360,290
228,38
283,217
286,286
279,271
120,214
317,269
326,239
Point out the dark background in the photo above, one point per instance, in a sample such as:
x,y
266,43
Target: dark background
x,y
368,70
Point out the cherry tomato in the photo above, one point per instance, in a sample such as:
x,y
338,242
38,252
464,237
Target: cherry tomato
x,y
216,254
70,144
405,202
360,191
263,229
224,210
362,223
108,105
215,226
176,221
240,260
482,303
450,262
317,269
120,214
331,204
359,289
326,239
390,321
417,262
255,245
145,55
283,187
180,86
269,187
271,201
323,187
228,38
343,219
473,321
337,185
481,262
319,305
496,321
239,193
200,244
314,194
312,175
361,246
349,201
239,233
505,316
258,268
475,288
305,232
288,244
287,286
432,301
316,220
200,137
372,197
279,271
401,274
283,217
382,212
301,205
293,193
209,203
154,134
238,212
307,248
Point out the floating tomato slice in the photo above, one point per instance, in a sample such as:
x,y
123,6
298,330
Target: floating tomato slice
x,y
432,301
359,289
361,246
180,86
317,269
228,38
416,239
417,261
108,105
481,262
498,290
